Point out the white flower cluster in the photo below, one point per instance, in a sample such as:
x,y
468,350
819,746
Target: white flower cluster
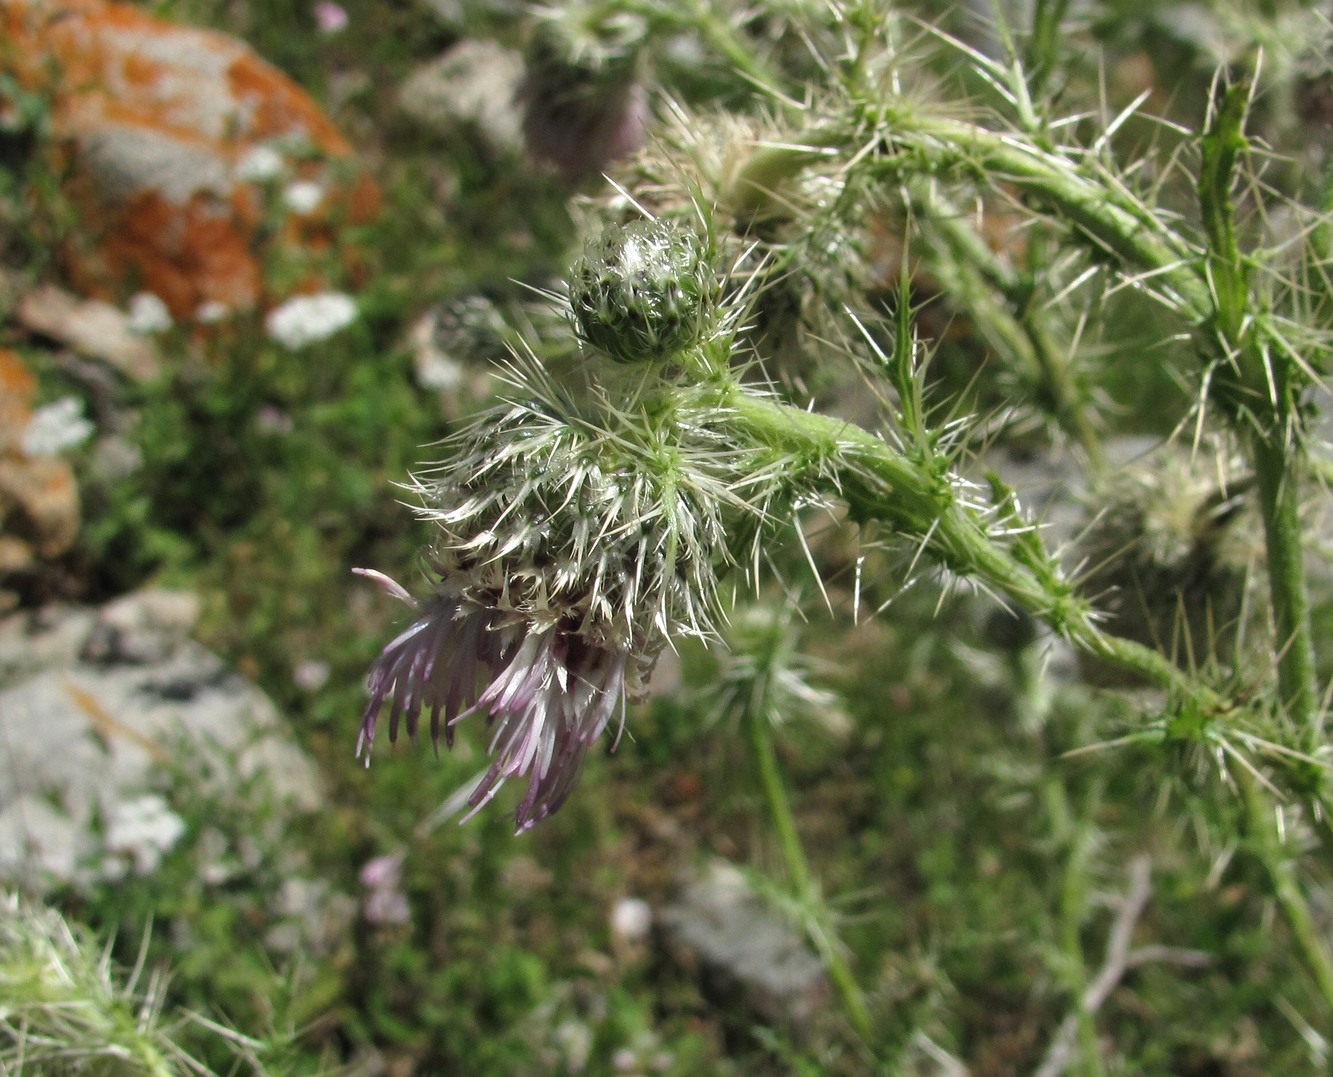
x,y
148,314
56,427
303,196
142,830
310,319
259,164
211,311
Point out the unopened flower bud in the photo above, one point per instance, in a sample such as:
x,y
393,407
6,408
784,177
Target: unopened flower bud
x,y
642,292
584,103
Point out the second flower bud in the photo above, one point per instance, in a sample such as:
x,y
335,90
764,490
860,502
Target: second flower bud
x,y
642,292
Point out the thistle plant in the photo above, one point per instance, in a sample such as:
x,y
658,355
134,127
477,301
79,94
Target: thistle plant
x,y
64,1007
593,518
583,97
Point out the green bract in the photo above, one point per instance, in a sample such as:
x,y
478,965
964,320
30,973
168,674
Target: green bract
x,y
642,292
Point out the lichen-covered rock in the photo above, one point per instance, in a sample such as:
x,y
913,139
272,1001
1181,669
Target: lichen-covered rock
x,y
156,129
99,708
39,503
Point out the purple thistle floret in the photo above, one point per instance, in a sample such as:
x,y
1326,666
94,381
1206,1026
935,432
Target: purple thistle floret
x,y
547,693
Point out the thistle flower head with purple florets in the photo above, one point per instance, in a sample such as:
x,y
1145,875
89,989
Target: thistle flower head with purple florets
x,y
576,533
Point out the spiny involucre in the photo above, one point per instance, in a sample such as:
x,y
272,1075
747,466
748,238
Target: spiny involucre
x,y
643,292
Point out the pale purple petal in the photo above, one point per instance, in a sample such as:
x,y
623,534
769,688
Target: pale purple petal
x,y
547,694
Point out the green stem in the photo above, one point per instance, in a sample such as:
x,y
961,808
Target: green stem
x,y
1256,391
1214,302
1019,330
1113,220
1073,908
1309,940
1279,505
879,483
760,735
702,18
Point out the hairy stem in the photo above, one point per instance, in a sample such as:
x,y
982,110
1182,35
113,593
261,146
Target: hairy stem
x,y
764,753
1256,383
1285,888
881,484
1255,389
1279,505
1001,300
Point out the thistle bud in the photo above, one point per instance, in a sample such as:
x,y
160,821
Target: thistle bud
x,y
584,102
642,292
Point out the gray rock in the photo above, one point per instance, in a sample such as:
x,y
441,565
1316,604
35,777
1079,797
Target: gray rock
x,y
99,709
90,327
469,90
722,927
141,628
128,159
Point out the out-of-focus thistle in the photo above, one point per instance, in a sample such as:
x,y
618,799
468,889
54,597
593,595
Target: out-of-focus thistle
x,y
583,101
1166,558
576,533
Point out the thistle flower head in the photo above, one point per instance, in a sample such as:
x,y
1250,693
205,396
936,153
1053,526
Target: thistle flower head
x,y
547,694
573,539
584,105
642,292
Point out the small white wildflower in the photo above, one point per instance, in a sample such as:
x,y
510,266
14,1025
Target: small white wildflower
x,y
143,829
309,319
631,920
438,371
148,315
575,1041
211,311
384,901
56,427
260,163
303,196
311,675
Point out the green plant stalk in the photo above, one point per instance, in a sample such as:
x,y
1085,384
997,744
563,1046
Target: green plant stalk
x,y
1255,375
760,736
879,483
1279,505
1115,221
904,142
701,17
1043,47
1073,905
1022,332
1285,888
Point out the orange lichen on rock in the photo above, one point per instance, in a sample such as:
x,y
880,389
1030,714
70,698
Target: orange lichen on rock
x,y
151,125
39,504
18,389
